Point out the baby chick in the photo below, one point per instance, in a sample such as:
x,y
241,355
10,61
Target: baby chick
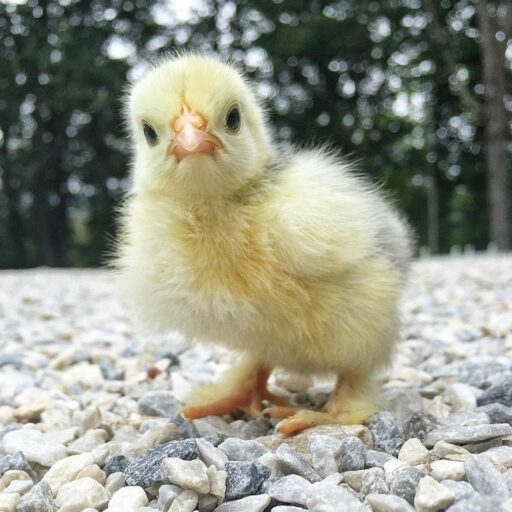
x,y
289,258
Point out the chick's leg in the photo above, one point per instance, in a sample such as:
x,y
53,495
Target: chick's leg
x,y
243,387
352,402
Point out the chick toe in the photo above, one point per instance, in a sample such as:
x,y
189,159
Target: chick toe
x,y
242,388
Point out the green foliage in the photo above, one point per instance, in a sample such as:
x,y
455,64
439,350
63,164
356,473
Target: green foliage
x,y
362,75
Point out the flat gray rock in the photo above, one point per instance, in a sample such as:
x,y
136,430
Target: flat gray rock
x,y
484,477
468,434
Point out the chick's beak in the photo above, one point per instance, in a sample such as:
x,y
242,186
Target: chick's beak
x,y
192,136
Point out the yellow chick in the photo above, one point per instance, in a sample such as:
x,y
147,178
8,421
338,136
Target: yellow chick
x,y
288,258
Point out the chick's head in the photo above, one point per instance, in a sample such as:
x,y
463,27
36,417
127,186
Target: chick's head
x,y
197,129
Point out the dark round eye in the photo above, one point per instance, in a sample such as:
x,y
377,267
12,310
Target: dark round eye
x,y
149,133
233,119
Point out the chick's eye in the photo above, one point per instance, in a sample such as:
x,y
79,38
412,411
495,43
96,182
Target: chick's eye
x,y
150,134
233,119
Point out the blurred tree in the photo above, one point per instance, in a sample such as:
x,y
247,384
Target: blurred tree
x,y
398,85
494,19
63,153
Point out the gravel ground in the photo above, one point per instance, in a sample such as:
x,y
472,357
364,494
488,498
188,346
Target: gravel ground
x,y
88,409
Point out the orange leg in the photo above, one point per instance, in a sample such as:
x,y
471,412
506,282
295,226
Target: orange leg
x,y
247,399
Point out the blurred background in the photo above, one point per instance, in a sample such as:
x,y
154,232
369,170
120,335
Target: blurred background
x,y
418,91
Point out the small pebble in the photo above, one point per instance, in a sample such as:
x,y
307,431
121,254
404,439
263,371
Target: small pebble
x,y
186,474
432,496
249,504
127,499
291,489
413,452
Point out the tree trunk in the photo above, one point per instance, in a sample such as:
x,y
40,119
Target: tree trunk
x,y
495,126
433,210
14,224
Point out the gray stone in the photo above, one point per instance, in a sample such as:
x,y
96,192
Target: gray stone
x,y
244,478
405,481
255,428
461,490
388,503
115,464
419,425
478,503
324,454
387,432
484,477
499,393
404,403
290,489
211,455
373,482
249,504
292,463
329,497
16,461
498,413
207,503
354,479
238,449
39,499
465,419
158,403
352,454
376,459
468,434
146,469
187,474
213,429
109,371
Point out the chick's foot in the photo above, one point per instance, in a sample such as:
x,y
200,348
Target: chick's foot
x,y
352,403
245,394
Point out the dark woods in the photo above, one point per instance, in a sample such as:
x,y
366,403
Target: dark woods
x,y
417,91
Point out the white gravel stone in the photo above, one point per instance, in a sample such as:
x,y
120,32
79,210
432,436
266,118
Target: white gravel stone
x,y
77,495
19,486
432,496
191,475
34,446
210,454
93,471
166,495
127,499
500,456
325,497
447,470
484,477
8,501
256,503
114,482
185,502
325,452
290,489
388,503
461,396
413,452
66,470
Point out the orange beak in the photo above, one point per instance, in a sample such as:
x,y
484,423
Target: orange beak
x,y
192,136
